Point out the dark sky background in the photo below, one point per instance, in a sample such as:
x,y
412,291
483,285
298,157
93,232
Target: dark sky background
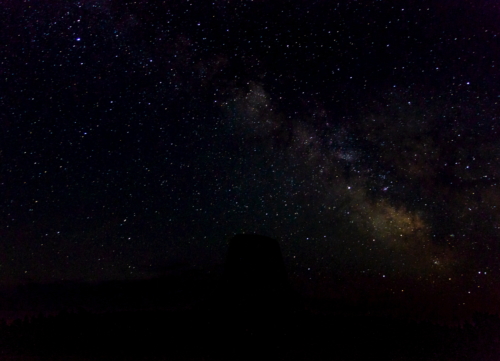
x,y
363,135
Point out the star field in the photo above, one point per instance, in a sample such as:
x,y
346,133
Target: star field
x,y
362,134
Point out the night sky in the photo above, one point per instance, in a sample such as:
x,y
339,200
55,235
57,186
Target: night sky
x,y
363,135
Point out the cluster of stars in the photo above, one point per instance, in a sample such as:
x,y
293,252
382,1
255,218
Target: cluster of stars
x,y
362,132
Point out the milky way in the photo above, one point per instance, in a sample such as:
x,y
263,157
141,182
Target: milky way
x,y
362,135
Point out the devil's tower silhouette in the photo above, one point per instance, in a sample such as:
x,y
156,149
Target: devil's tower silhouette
x,y
258,311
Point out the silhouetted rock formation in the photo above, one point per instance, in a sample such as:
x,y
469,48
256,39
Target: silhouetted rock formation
x,y
255,273
258,313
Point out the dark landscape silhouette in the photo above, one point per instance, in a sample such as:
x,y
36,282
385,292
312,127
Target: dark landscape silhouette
x,y
259,314
247,311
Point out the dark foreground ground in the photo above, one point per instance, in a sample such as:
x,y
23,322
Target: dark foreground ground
x,y
191,336
195,326
247,311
